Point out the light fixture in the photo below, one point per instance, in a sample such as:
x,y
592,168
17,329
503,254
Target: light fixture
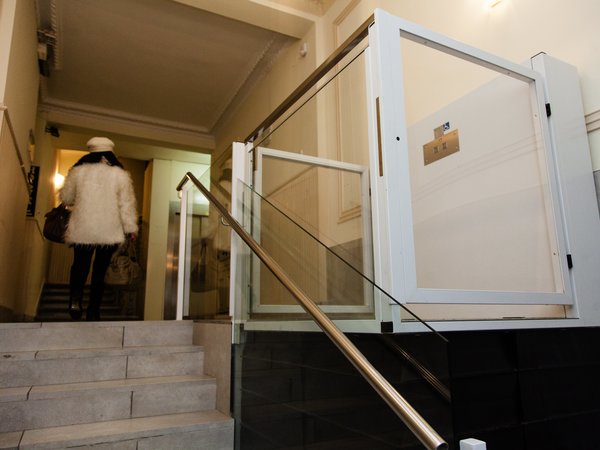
x,y
492,3
59,180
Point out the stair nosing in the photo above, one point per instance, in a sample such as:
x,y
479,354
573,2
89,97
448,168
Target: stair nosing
x,y
10,439
52,391
14,394
80,353
101,324
136,428
117,351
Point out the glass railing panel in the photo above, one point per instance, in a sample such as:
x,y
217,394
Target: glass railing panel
x,y
339,398
295,389
331,119
483,214
208,246
343,291
332,203
319,271
330,123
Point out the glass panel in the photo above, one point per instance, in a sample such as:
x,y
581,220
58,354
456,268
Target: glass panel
x,y
307,191
300,379
208,246
482,213
330,123
296,389
318,270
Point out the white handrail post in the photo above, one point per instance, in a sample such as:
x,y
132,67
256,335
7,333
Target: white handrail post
x,y
181,266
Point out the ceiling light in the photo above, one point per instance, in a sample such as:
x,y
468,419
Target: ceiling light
x,y
492,3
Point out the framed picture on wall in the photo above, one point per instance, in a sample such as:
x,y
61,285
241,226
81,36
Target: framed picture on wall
x,y
33,177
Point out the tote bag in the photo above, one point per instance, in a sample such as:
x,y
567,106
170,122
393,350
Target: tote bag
x,y
56,223
124,270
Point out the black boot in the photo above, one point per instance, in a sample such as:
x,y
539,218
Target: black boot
x,y
75,305
93,310
92,315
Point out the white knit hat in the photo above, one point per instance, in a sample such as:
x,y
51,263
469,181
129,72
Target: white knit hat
x,y
100,144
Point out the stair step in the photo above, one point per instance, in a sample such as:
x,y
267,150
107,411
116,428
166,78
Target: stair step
x,y
60,304
37,406
64,299
65,317
100,364
10,441
131,385
207,430
117,351
34,336
54,303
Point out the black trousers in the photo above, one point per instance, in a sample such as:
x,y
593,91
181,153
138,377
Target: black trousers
x,y
82,260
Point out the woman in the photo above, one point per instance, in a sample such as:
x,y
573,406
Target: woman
x,y
100,194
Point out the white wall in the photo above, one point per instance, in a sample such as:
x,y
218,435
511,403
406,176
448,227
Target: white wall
x,y
20,237
515,30
21,82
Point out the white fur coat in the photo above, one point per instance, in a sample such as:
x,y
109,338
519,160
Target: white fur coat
x,y
103,204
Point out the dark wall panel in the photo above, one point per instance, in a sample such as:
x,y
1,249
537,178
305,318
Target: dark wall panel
x,y
514,389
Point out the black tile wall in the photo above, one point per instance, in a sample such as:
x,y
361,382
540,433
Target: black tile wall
x,y
296,390
515,389
577,432
558,347
526,389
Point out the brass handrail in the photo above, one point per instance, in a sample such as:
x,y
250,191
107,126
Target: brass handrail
x,y
11,130
411,418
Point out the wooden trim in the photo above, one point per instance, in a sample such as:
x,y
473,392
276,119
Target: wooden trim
x,y
592,121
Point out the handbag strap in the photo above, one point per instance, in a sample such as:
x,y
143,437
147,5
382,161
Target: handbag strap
x,y
131,249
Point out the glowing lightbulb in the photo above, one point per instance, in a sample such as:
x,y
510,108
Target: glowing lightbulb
x,y
59,180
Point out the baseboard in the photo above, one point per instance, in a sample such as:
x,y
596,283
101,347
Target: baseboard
x,y
6,314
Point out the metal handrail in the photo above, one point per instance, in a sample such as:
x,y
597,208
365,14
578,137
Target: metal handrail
x,y
11,130
411,418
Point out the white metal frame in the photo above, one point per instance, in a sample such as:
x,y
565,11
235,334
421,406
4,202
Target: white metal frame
x,y
392,209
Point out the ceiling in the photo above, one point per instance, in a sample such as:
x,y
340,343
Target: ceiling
x,y
179,66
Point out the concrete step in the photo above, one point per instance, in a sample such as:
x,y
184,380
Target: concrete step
x,y
76,403
35,336
118,304
63,305
108,385
63,316
58,311
206,430
35,368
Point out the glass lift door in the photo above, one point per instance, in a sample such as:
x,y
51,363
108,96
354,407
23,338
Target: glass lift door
x,y
467,190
